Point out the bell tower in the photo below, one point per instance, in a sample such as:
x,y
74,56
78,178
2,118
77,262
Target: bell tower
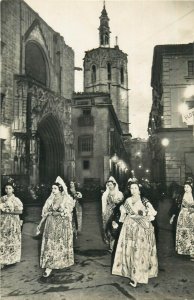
x,y
105,71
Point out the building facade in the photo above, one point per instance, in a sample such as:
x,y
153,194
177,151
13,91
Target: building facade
x,y
105,70
171,140
101,114
100,150
37,83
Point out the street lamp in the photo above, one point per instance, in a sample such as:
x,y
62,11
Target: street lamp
x,y
165,142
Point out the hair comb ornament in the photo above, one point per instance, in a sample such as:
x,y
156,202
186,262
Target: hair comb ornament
x,y
132,180
11,181
60,181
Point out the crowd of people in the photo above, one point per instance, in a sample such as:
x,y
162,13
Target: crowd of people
x,y
128,222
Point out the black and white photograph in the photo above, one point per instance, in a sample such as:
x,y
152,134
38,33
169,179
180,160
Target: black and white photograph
x,y
97,150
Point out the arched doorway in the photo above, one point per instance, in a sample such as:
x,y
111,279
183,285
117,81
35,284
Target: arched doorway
x,y
51,149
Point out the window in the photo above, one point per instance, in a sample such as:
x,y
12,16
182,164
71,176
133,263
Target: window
x,y
122,75
85,143
3,106
87,112
35,63
109,75
86,119
93,77
101,39
86,164
106,37
191,68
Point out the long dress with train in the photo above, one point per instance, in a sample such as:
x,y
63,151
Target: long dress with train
x,y
136,256
57,243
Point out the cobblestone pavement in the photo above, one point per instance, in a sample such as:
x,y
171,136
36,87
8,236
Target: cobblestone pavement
x,y
90,278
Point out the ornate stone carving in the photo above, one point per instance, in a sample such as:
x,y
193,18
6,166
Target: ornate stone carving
x,y
19,124
43,102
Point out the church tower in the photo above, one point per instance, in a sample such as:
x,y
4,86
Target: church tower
x,y
104,29
105,70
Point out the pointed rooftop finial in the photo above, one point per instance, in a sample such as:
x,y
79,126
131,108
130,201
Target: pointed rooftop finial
x,y
104,4
116,40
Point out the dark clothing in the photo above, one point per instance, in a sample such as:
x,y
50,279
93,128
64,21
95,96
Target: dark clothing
x,y
114,217
114,232
75,219
175,210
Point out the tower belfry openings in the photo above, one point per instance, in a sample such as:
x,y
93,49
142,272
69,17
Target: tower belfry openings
x,y
105,71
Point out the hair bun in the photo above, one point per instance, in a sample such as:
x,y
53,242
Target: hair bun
x,y
11,182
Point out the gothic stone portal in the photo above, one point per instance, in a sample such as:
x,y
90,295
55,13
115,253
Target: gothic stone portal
x,y
42,140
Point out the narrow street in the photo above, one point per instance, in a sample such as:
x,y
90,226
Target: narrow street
x,y
90,277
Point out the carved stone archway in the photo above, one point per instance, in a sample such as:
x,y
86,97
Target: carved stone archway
x,y
51,149
42,145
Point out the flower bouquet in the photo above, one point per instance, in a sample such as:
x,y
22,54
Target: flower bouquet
x,y
78,195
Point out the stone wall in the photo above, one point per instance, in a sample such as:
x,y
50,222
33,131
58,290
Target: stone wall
x,y
100,142
175,82
118,90
177,167
21,25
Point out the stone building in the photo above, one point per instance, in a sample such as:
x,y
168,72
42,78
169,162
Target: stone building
x,y
100,149
100,113
105,70
171,140
37,83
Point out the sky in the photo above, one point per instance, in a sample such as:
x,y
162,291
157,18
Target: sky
x,y
139,25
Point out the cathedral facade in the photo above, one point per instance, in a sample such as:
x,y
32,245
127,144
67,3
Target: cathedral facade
x,y
45,126
37,83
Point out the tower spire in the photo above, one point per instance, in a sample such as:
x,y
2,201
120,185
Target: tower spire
x,y
116,40
104,29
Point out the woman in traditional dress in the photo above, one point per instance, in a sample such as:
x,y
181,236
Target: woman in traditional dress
x,y
185,223
57,242
110,199
136,256
10,240
77,211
